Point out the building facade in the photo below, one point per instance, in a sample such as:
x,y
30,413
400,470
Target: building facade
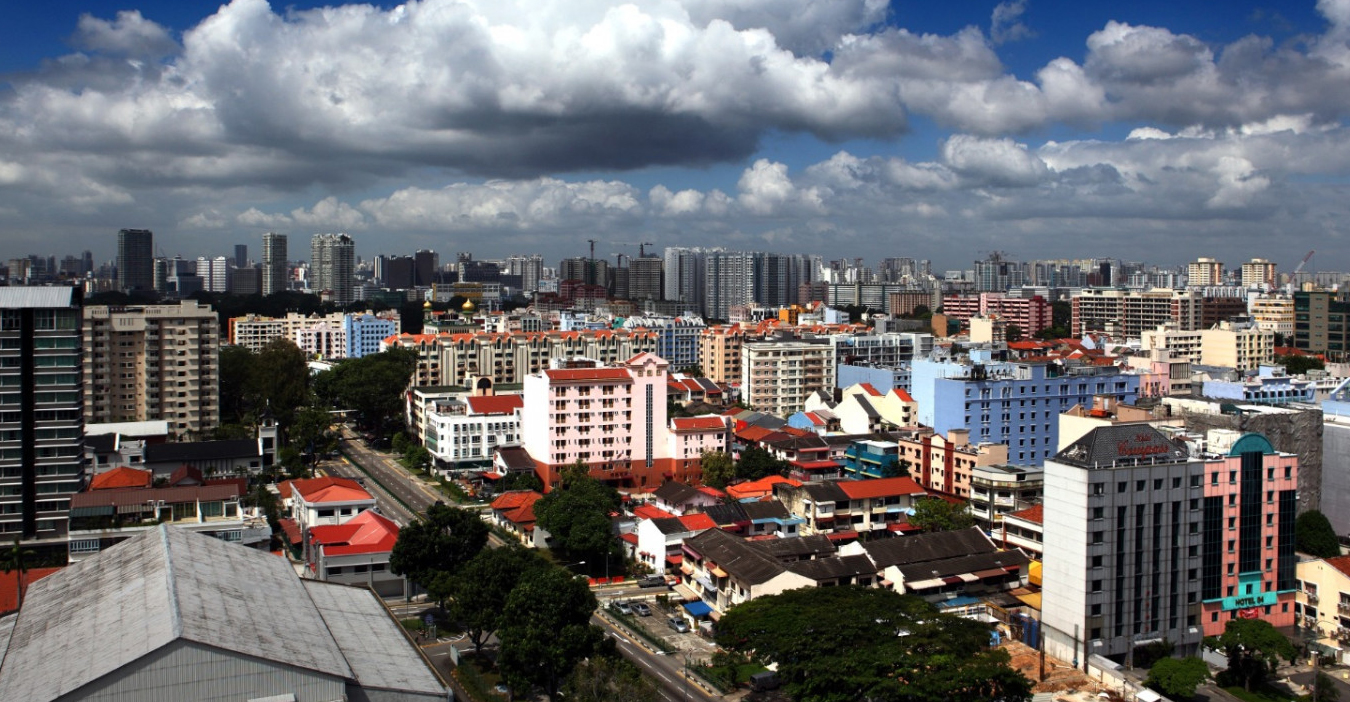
x,y
1320,324
332,265
778,375
41,422
155,362
275,276
135,260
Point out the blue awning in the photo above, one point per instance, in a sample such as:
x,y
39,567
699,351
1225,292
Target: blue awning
x,y
698,609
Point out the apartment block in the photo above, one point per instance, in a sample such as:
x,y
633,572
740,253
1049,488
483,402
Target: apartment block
x,y
1243,346
677,338
1258,273
1016,404
777,375
719,352
275,272
1130,313
1274,314
613,418
1123,523
41,423
1322,323
1030,314
464,432
155,362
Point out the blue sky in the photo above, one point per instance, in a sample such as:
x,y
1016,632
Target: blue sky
x,y
1154,131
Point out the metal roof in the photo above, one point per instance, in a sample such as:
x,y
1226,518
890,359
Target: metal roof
x,y
380,654
17,297
162,585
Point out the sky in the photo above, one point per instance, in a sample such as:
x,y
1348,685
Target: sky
x,y
1146,131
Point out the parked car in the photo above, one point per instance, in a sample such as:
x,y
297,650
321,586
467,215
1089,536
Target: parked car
x,y
623,607
652,581
641,609
679,625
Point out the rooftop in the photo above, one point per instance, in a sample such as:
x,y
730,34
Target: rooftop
x,y
1122,445
121,478
329,489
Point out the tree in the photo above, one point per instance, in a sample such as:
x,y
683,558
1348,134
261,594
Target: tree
x,y
372,386
1253,648
521,480
16,559
546,629
1012,332
606,678
1300,365
756,462
442,541
478,592
576,514
1323,689
1051,333
896,468
1177,677
840,644
279,381
936,514
1314,535
718,469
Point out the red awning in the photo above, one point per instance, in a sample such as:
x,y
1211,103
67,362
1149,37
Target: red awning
x,y
842,535
291,529
902,527
952,580
675,559
991,573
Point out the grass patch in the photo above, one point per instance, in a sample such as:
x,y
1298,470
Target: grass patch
x,y
1260,694
478,681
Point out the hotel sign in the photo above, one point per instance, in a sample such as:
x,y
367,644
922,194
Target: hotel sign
x,y
1143,444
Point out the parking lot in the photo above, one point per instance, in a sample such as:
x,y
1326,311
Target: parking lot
x,y
657,624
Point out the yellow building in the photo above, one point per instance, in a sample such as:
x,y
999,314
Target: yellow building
x,y
1323,602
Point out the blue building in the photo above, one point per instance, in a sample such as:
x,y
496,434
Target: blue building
x,y
364,332
870,459
676,337
1270,386
882,378
1013,403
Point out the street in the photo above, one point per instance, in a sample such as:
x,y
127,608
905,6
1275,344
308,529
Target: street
x,y
388,506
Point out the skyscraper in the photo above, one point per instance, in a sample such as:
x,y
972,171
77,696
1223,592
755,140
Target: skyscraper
x,y
273,263
644,278
332,264
529,268
240,255
425,263
135,255
41,426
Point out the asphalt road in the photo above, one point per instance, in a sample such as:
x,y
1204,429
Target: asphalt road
x,y
390,474
389,507
666,670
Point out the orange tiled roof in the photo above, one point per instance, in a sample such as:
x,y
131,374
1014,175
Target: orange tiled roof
x,y
904,396
517,505
9,586
756,488
698,521
869,389
583,374
121,478
496,404
881,487
698,423
329,489
367,532
1034,513
1341,563
651,512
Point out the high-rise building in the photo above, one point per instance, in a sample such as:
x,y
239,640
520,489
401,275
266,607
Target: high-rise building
x,y
331,267
396,272
684,272
1320,323
1204,272
997,274
41,427
729,281
135,257
274,273
215,273
778,375
644,278
1258,273
153,363
240,255
425,263
1123,534
529,268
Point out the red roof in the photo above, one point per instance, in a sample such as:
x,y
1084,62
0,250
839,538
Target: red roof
x,y
367,532
585,374
815,465
867,388
630,537
698,423
329,489
291,529
496,404
757,488
904,396
695,522
651,512
517,505
1341,563
881,487
711,491
1035,513
814,418
121,479
9,586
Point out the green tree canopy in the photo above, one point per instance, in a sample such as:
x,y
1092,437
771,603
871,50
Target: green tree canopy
x,y
718,469
521,480
1012,332
373,386
936,514
1177,678
839,644
279,381
440,542
479,591
609,678
1299,365
576,514
1314,535
546,629
756,462
1254,648
896,468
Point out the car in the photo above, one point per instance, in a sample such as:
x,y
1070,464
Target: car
x,y
679,625
623,607
652,581
641,609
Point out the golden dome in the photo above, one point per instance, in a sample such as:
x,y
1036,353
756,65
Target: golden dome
x,y
426,305
468,306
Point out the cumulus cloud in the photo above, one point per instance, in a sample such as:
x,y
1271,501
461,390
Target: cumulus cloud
x,y
1005,24
129,34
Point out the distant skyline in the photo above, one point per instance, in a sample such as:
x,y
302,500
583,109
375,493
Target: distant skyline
x,y
1154,131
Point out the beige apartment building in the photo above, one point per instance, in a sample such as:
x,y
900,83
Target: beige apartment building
x,y
719,353
507,358
1130,313
778,375
1273,314
1237,345
159,362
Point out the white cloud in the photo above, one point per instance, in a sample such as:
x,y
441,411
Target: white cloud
x,y
998,162
129,34
1005,24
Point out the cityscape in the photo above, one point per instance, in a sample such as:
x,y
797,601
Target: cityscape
x,y
675,350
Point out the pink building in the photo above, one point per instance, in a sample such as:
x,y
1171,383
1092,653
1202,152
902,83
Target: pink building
x,y
614,420
1248,566
1030,314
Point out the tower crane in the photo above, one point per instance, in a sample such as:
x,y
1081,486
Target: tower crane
x,y
1303,263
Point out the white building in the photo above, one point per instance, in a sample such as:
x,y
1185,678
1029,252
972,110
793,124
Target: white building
x,y
464,432
328,500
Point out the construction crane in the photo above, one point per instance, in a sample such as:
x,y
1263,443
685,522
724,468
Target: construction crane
x,y
592,242
1302,263
642,246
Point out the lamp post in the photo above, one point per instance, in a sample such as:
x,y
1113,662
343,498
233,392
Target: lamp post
x,y
1313,649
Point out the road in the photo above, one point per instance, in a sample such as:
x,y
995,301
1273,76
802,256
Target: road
x,y
388,506
667,671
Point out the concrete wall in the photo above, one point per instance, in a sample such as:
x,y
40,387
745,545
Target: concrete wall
x,y
1295,432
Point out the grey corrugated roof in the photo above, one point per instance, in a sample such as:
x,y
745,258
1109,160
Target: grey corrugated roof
x,y
724,513
736,556
825,492
768,509
797,547
673,493
162,585
32,296
201,450
380,655
834,568
924,548
970,563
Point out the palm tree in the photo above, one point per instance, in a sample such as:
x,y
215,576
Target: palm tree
x,y
16,558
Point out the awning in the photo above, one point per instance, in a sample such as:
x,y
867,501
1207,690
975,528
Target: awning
x,y
675,559
95,511
924,584
991,573
698,609
952,580
969,577
706,583
686,568
842,535
719,572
